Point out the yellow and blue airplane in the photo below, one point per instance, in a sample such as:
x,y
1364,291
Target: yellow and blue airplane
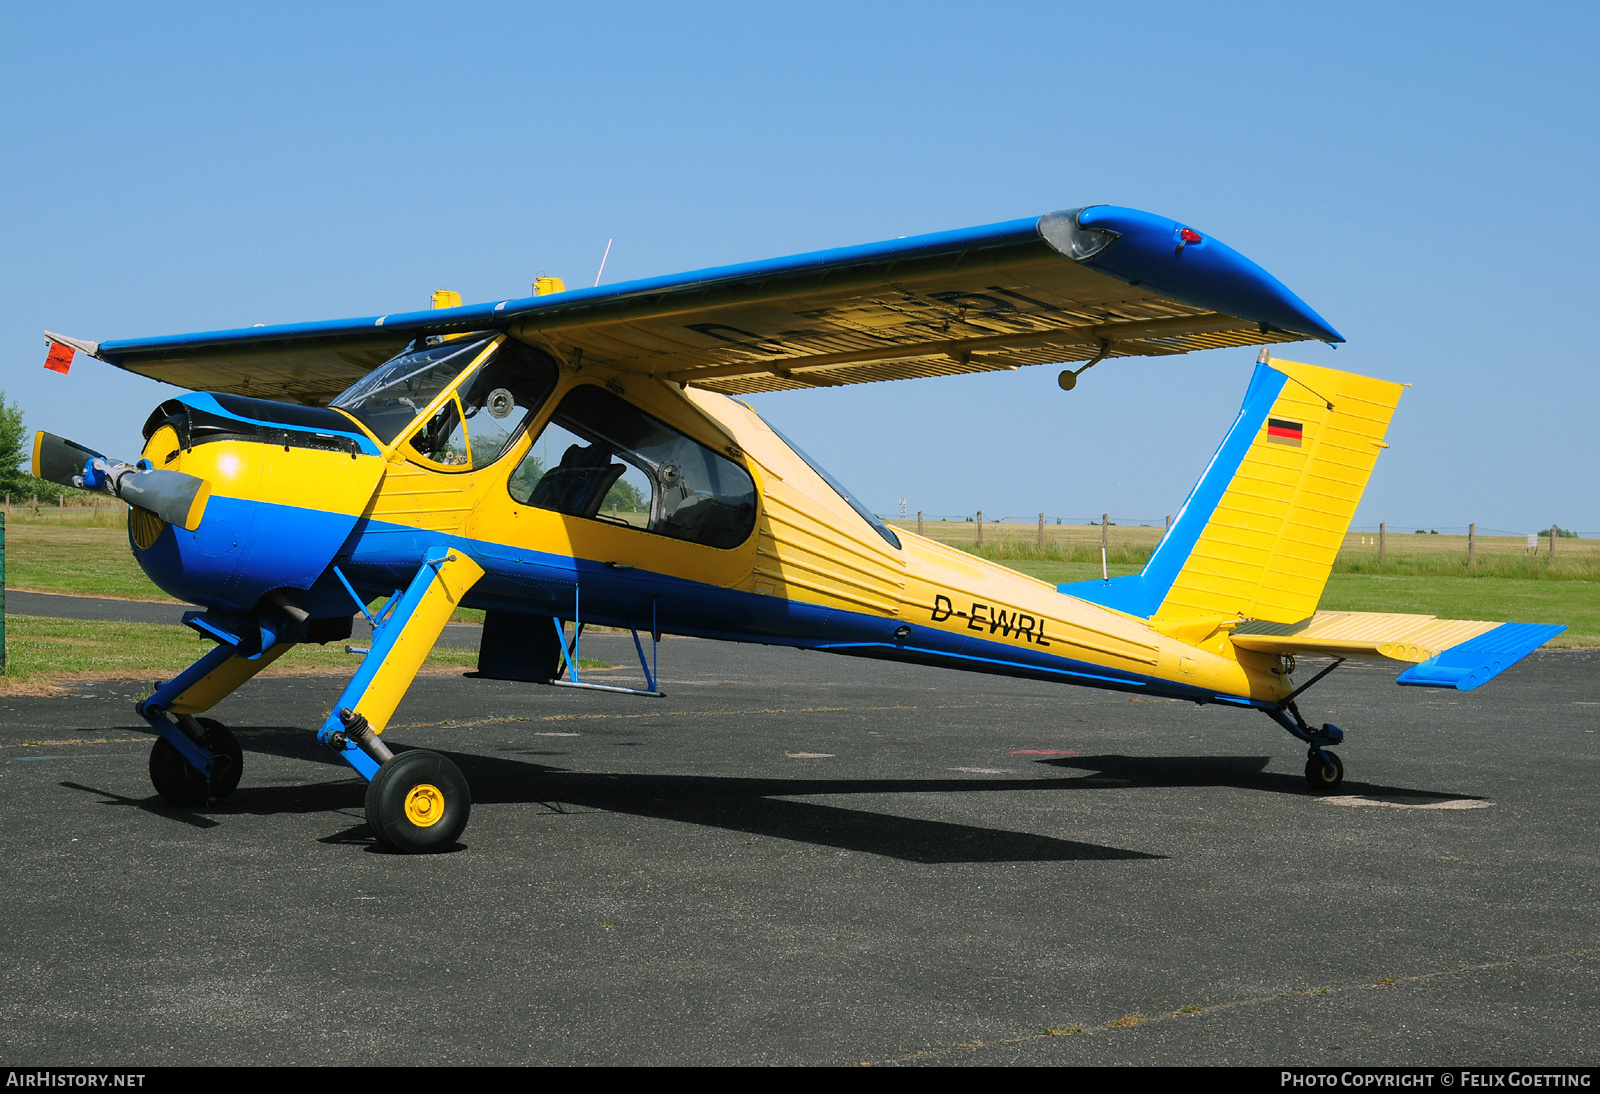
x,y
580,456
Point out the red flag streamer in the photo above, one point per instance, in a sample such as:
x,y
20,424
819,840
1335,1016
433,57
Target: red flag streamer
x,y
60,359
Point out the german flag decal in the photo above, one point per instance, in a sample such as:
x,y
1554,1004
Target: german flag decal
x,y
1283,431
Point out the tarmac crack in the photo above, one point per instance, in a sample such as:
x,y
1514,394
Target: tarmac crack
x,y
1134,1021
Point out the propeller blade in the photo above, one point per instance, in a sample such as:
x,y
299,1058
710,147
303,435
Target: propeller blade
x,y
171,495
58,460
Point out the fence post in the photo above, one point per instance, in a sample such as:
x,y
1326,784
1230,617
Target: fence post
x,y
919,522
1169,522
36,505
1041,531
1382,534
1472,544
1552,560
980,527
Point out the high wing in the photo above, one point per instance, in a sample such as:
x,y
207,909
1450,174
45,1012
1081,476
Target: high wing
x,y
1077,285
1445,653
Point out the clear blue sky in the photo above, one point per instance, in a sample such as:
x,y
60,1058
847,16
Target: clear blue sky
x,y
1423,175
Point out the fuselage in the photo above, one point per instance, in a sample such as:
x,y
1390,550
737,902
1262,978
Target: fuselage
x,y
759,547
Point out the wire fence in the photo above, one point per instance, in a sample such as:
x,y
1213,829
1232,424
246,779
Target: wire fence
x,y
1392,528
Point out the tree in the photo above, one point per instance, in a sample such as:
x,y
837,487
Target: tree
x,y
11,474
625,497
16,448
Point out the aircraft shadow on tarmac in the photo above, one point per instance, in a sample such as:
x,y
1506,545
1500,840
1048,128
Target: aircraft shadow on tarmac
x,y
759,806
1237,772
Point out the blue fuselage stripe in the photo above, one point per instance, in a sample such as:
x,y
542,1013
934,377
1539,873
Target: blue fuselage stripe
x,y
521,579
379,557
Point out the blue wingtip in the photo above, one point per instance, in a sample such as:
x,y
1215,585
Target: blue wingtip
x,y
1479,660
1191,266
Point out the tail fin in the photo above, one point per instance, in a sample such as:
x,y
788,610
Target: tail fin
x,y
1257,537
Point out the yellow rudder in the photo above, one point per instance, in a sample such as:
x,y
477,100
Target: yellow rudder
x,y
1270,542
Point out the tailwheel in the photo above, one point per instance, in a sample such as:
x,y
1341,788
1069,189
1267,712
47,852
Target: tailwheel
x,y
1324,771
418,803
177,780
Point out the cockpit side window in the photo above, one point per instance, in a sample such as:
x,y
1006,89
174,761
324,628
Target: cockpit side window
x,y
602,458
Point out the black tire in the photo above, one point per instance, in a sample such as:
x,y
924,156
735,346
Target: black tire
x,y
408,792
1324,771
180,783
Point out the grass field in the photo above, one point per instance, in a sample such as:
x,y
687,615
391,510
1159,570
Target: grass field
x,y
41,652
1422,574
79,551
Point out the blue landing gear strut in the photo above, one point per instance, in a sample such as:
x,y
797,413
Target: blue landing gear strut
x,y
197,760
1324,769
417,801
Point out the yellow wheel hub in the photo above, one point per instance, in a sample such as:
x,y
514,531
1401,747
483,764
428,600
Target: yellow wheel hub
x,y
424,805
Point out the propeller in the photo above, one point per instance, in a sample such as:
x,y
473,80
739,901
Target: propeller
x,y
171,495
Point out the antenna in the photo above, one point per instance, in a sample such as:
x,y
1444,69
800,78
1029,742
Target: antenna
x,y
603,263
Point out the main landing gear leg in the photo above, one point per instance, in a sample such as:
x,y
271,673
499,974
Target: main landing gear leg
x,y
197,760
418,801
1324,769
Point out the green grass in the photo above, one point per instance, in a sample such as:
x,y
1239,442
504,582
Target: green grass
x,y
80,553
1575,603
38,647
42,651
1421,574
77,555
1404,554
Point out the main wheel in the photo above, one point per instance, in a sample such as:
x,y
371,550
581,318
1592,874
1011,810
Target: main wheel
x,y
180,783
1324,771
418,803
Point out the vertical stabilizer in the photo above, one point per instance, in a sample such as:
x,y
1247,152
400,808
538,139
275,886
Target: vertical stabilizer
x,y
1258,535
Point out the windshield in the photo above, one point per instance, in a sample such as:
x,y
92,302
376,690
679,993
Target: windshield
x,y
390,397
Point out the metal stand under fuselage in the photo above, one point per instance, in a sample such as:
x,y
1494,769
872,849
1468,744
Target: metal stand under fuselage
x,y
569,655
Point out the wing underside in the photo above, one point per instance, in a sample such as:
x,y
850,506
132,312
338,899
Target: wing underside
x,y
1034,291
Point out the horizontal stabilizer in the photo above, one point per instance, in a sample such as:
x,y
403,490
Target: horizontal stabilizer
x,y
1474,663
1445,653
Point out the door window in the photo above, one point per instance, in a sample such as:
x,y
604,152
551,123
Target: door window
x,y
602,458
481,419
